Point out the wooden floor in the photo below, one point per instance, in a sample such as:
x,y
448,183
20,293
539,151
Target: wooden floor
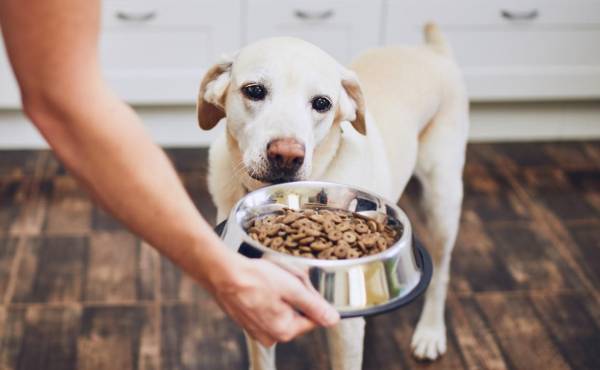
x,y
78,291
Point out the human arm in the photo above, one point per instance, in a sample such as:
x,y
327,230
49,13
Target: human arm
x,y
52,45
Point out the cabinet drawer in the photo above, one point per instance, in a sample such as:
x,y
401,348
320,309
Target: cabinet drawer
x,y
342,28
512,50
156,51
129,14
497,12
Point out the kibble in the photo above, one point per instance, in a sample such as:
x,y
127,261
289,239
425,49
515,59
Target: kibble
x,y
322,233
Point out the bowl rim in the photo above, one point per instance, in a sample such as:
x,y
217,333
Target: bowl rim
x,y
404,242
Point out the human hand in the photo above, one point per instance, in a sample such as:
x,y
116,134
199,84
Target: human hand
x,y
264,299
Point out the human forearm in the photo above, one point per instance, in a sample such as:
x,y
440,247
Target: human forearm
x,y
104,144
52,47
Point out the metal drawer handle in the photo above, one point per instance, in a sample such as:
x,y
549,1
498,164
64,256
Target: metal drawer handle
x,y
314,16
520,16
136,17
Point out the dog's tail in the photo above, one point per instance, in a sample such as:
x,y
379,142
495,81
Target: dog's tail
x,y
435,39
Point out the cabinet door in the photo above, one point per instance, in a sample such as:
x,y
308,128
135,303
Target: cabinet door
x,y
9,92
509,49
156,51
342,28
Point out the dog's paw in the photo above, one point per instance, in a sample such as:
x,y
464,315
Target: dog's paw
x,y
429,342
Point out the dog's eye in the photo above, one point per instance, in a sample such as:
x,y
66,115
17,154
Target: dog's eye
x,y
254,91
321,104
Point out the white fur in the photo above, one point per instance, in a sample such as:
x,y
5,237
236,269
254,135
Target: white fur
x,y
418,123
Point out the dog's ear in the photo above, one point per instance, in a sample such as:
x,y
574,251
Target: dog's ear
x,y
213,90
352,102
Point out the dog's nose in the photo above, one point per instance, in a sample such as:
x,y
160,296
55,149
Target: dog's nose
x,y
285,155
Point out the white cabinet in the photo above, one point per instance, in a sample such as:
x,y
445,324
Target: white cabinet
x,y
9,92
343,28
155,52
512,50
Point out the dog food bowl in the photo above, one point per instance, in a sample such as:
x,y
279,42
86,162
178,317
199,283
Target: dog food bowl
x,y
363,286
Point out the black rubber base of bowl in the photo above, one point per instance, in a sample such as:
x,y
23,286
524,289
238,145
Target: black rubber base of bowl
x,y
423,261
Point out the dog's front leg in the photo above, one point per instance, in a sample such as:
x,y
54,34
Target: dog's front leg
x,y
442,197
260,357
346,344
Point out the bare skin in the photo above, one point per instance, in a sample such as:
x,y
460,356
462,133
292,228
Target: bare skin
x,y
52,45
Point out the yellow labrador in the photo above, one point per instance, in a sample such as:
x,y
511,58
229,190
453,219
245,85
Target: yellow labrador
x,y
293,113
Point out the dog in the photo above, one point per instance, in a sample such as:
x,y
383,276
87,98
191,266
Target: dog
x,y
293,113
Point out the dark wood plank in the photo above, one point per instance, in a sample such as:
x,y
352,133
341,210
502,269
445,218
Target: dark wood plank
x,y
587,183
552,228
189,159
520,333
308,352
524,154
8,248
476,340
481,154
30,199
197,336
195,184
476,263
102,221
116,337
388,337
571,328
381,342
571,155
49,339
18,161
150,341
111,273
531,258
490,196
592,150
177,286
69,208
11,199
192,165
12,328
553,188
587,238
148,272
52,270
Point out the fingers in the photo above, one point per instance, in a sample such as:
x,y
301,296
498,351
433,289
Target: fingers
x,y
312,305
302,295
303,325
257,331
283,331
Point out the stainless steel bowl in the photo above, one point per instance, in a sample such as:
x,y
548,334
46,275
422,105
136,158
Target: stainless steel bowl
x,y
356,287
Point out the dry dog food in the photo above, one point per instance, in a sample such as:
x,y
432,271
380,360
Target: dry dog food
x,y
322,233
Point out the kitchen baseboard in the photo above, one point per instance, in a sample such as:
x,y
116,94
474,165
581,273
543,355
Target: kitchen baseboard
x,y
175,126
535,121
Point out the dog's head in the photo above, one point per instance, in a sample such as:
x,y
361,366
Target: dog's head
x,y
281,98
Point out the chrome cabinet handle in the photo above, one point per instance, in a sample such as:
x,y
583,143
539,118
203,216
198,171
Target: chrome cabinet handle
x,y
519,16
314,16
136,17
